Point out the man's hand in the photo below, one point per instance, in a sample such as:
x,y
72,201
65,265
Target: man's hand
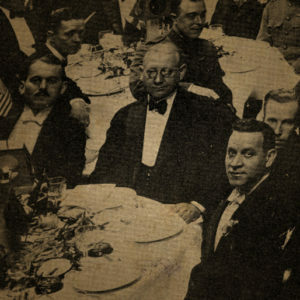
x,y
187,211
199,90
80,111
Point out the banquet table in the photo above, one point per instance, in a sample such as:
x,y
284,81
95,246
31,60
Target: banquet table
x,y
162,254
252,68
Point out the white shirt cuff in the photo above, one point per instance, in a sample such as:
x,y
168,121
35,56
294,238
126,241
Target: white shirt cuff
x,y
199,206
77,100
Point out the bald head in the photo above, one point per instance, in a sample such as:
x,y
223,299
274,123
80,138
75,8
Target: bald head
x,y
162,70
163,49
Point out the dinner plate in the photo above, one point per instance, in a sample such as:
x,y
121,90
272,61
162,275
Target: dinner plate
x,y
93,197
54,267
102,275
235,64
148,225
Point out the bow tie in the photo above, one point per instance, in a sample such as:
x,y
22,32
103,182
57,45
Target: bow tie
x,y
236,197
159,106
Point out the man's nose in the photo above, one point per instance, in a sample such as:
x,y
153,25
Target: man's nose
x,y
43,84
76,38
236,161
199,20
158,78
278,129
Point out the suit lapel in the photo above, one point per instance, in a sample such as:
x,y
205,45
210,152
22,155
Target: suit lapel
x,y
9,32
211,229
175,131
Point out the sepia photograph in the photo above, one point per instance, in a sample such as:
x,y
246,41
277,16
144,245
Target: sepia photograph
x,y
149,149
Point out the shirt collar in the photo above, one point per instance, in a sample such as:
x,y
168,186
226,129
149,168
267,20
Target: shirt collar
x,y
169,99
238,197
55,52
39,118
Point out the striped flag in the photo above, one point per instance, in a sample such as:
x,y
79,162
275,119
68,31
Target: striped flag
x,y
5,100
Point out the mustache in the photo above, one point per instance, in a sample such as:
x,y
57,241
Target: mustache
x,y
42,93
200,26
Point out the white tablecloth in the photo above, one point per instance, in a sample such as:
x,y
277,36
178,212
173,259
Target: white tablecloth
x,y
164,265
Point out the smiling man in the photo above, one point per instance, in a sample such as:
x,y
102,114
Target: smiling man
x,y
243,237
64,37
165,144
204,74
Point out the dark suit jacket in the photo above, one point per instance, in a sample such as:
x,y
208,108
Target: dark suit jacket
x,y
191,154
11,57
60,147
73,90
243,21
247,261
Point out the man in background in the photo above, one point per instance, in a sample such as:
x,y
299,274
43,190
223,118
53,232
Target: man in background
x,y
280,26
204,74
281,112
238,17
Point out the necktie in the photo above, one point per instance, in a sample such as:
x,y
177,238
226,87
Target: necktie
x,y
159,106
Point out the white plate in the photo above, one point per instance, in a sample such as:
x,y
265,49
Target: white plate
x,y
102,275
234,64
93,197
54,267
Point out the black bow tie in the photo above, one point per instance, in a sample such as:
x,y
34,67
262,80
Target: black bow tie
x,y
159,106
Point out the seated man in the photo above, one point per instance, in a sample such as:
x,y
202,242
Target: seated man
x,y
64,37
200,56
281,112
243,239
55,140
238,17
165,144
280,26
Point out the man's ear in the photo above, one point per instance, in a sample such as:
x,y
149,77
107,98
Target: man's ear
x,y
182,71
64,87
22,87
270,157
141,69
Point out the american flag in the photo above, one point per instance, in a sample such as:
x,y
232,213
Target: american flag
x,y
5,100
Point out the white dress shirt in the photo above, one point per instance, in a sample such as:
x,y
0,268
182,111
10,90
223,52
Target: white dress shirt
x,y
22,32
154,130
235,200
27,129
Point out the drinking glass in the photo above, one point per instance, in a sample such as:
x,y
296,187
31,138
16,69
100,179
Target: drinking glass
x,y
56,190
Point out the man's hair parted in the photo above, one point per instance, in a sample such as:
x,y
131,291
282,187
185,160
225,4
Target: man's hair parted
x,y
252,125
63,14
49,59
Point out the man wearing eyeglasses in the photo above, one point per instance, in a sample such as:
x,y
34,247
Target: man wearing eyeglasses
x,y
204,74
167,146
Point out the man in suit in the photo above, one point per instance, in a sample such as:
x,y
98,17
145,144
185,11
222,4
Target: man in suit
x,y
281,112
204,74
64,37
280,26
239,17
167,142
244,237
43,124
